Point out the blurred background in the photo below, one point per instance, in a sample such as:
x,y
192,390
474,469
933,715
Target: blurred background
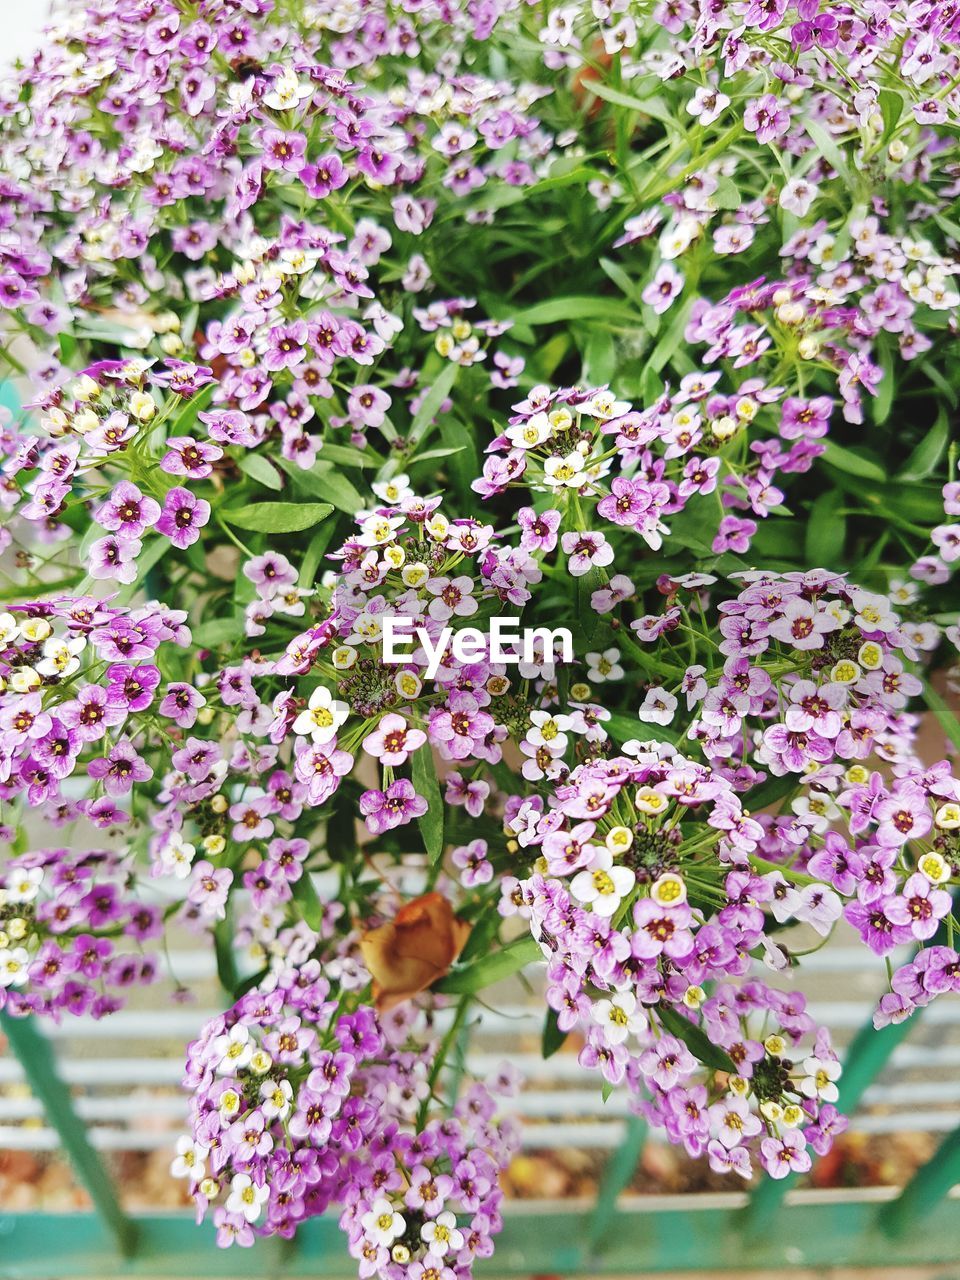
x,y
22,23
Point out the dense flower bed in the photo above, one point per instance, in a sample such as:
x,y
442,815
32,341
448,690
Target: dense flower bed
x,y
635,318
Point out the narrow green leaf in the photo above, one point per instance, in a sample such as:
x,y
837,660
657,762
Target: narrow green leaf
x,y
829,148
592,307
925,458
431,402
277,517
492,968
423,774
217,631
891,108
852,463
552,1038
259,469
314,554
184,421
347,456
696,1040
727,195
307,902
825,531
223,950
948,721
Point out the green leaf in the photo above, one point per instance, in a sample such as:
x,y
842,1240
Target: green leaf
x,y
423,774
219,630
307,902
431,402
259,469
852,463
464,462
620,1168
434,455
883,400
347,456
629,288
599,357
651,106
726,196
552,1038
68,348
891,108
323,481
948,721
223,949
825,531
591,307
926,456
314,554
184,422
696,1040
828,147
492,968
277,517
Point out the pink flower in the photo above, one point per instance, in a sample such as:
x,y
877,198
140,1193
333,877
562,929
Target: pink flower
x,y
393,740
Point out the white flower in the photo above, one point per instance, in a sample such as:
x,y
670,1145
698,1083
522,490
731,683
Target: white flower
x,y
819,1081
873,611
604,666
376,530
817,810
658,707
382,1224
190,1160
287,91
276,1099
177,856
617,1016
24,884
9,628
602,885
527,435
246,1197
323,716
605,405
441,1235
13,967
678,237
235,1049
60,657
394,491
568,471
548,731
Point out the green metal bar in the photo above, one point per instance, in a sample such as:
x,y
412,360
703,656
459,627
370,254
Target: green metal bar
x,y
39,1065
926,1188
868,1053
616,1178
671,1233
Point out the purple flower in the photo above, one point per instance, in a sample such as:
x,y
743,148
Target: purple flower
x,y
127,511
326,175
120,769
286,346
394,807
183,517
114,558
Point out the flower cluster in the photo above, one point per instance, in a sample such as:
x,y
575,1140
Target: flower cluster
x,y
298,1105
62,915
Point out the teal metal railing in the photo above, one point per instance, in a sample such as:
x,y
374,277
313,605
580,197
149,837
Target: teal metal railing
x,y
773,1227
